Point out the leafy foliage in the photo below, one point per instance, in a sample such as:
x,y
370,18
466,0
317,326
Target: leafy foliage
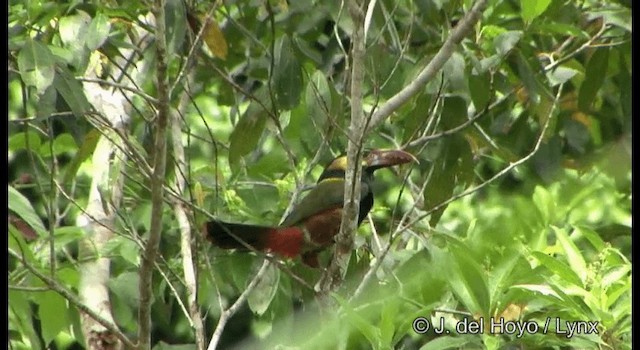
x,y
464,237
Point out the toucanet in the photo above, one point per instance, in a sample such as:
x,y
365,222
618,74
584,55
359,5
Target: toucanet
x,y
315,220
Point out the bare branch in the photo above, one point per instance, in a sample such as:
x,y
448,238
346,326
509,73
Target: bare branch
x,y
157,180
184,226
226,314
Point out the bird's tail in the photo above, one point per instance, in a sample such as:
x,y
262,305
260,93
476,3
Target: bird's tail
x,y
285,241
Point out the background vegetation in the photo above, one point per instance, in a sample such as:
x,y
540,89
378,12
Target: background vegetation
x,y
131,123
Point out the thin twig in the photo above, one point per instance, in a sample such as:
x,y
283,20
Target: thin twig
x,y
73,299
138,92
228,313
498,175
184,226
196,44
457,34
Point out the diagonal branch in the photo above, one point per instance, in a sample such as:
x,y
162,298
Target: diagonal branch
x,y
437,62
226,314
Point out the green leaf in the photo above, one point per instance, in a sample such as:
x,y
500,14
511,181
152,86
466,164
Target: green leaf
x,y
73,29
98,31
361,324
545,204
261,296
558,268
20,317
466,278
387,323
166,346
538,288
36,65
71,91
592,236
530,9
84,152
67,234
125,286
615,274
561,75
480,89
47,103
318,98
20,205
506,41
287,75
53,315
574,256
176,25
595,72
550,28
73,33
447,342
246,134
62,144
23,139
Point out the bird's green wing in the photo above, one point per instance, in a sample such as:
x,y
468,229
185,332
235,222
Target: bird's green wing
x,y
327,194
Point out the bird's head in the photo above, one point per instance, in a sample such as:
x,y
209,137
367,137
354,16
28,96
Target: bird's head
x,y
371,160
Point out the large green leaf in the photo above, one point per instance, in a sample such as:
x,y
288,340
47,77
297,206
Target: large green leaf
x,y
262,295
71,91
480,89
98,31
287,75
595,72
73,33
318,98
469,281
558,268
36,65
176,25
20,205
530,9
53,314
573,253
247,132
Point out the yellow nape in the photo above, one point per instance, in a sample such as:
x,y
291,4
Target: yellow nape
x,y
341,163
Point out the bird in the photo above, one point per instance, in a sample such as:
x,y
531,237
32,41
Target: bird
x,y
313,223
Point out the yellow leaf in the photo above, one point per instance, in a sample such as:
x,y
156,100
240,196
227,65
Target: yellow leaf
x,y
213,37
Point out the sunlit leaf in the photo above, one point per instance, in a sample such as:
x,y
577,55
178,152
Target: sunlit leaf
x,y
574,255
262,295
98,31
36,65
287,74
53,314
530,9
21,206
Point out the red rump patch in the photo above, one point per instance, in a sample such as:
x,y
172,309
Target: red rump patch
x,y
285,241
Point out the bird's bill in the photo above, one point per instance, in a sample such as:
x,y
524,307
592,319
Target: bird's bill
x,y
386,158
